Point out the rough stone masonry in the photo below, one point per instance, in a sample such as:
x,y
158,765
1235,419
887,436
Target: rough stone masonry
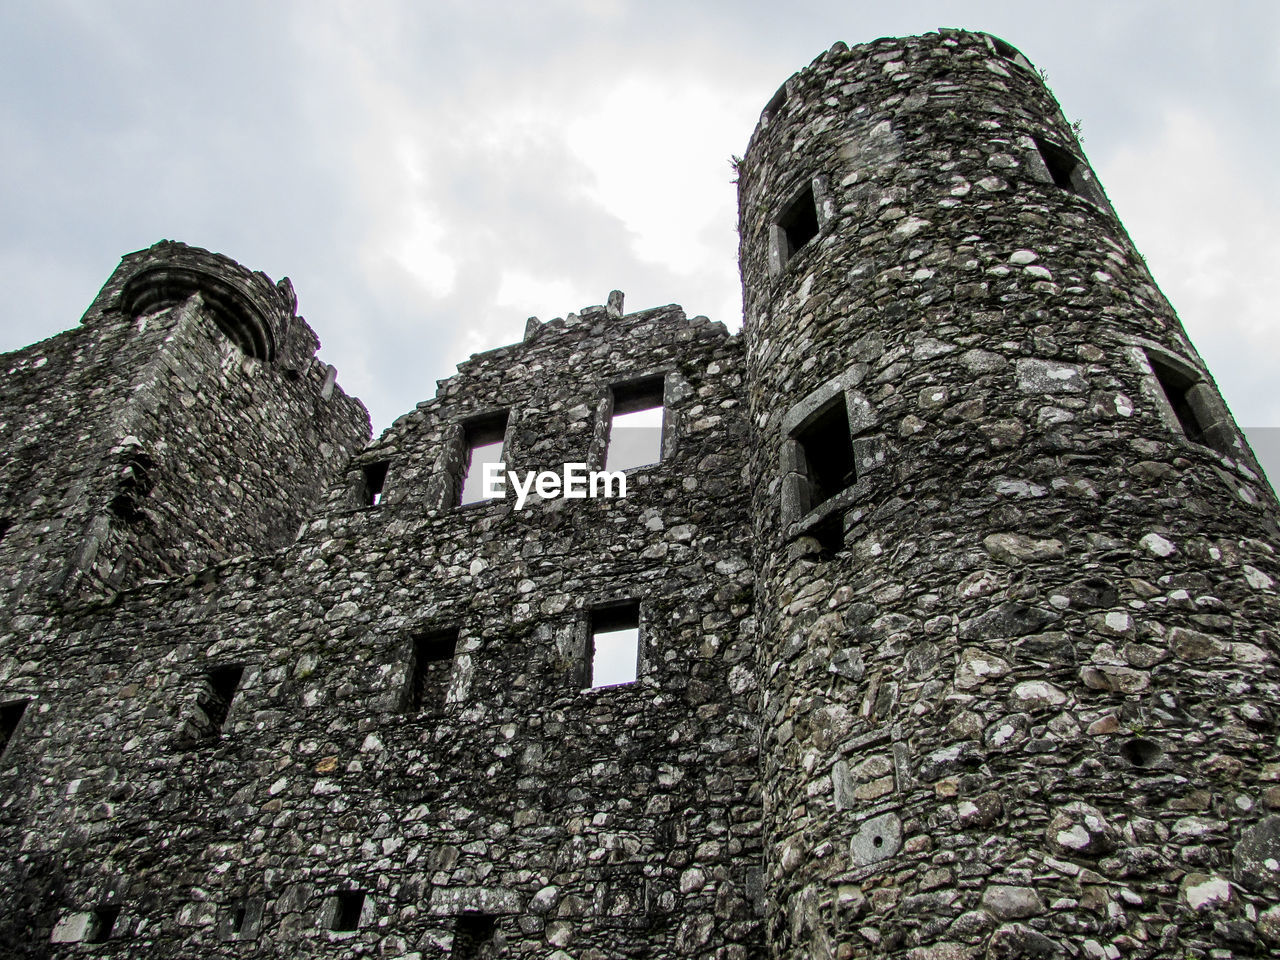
x,y
948,607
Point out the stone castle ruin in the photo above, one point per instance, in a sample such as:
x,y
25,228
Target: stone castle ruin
x,y
947,614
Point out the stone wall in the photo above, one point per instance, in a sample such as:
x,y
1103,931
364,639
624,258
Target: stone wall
x,y
510,806
1019,655
147,442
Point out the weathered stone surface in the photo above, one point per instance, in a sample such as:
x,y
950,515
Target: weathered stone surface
x,y
954,643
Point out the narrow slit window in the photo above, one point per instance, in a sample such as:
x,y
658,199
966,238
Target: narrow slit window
x,y
215,697
430,671
484,444
1176,387
472,933
103,923
347,910
828,452
10,716
613,656
5,524
374,478
1071,173
798,223
775,103
635,430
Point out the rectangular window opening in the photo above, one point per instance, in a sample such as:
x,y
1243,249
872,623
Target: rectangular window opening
x,y
828,452
472,933
216,696
10,716
635,430
5,524
483,438
374,476
1176,387
799,222
239,913
103,923
613,657
347,910
430,671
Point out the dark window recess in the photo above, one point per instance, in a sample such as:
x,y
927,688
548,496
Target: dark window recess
x,y
1004,48
5,524
614,654
134,484
1070,172
828,453
10,717
799,223
430,671
472,934
215,697
374,478
1177,387
104,921
483,439
239,913
346,912
775,103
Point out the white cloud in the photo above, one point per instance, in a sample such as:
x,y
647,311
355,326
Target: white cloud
x,y
1210,229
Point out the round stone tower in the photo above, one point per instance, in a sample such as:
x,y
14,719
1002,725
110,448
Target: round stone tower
x,y
1017,589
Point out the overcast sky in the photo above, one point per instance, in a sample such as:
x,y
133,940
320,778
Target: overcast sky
x,y
430,174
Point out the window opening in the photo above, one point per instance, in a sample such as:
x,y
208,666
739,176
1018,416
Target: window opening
x,y
473,932
10,716
215,699
375,478
775,103
238,917
346,912
635,430
1070,172
5,524
430,670
614,654
1177,387
104,921
799,222
484,443
828,452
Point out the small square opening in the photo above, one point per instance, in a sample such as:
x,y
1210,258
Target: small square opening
x,y
374,478
798,223
613,657
216,695
347,910
472,933
103,923
635,429
483,438
1176,386
828,452
430,671
10,717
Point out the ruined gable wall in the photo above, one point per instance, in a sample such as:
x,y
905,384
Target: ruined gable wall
x,y
609,822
